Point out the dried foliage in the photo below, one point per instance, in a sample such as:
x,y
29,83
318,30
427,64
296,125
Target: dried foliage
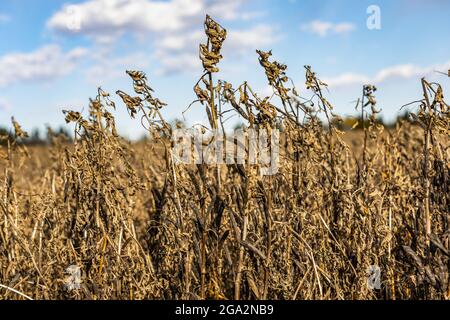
x,y
140,226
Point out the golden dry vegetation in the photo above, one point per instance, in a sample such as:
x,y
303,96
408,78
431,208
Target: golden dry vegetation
x,y
140,226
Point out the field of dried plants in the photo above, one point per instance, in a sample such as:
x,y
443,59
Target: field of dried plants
x,y
140,226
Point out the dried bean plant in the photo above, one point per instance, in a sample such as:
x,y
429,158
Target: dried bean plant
x,y
138,225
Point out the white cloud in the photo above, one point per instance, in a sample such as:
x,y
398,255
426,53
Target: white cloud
x,y
46,63
246,16
181,41
99,18
179,62
179,52
398,72
256,37
106,67
230,10
5,105
324,28
347,79
109,19
173,27
405,71
4,18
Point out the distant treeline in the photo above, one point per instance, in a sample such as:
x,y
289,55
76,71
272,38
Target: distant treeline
x,y
357,123
35,136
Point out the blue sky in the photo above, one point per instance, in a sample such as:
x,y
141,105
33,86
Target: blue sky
x,y
55,53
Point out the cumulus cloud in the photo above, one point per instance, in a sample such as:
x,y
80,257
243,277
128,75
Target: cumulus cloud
x,y
5,105
173,27
347,79
178,62
230,10
108,19
4,18
179,52
103,19
46,63
180,41
256,37
325,28
405,71
106,67
398,72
